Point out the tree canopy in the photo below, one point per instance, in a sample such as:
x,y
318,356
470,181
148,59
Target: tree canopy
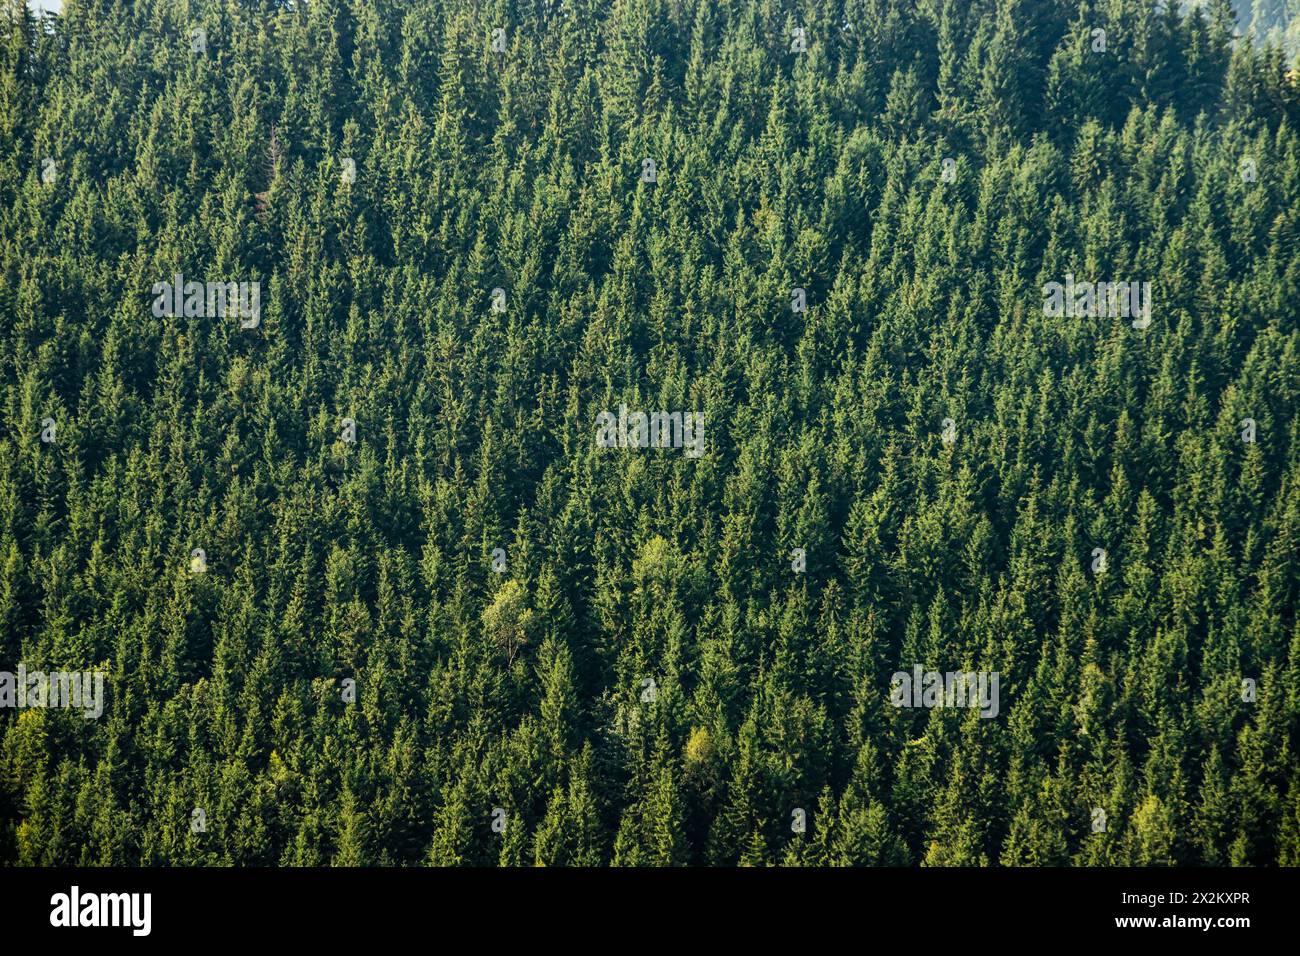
x,y
439,622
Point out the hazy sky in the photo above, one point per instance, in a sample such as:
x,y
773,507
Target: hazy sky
x,y
39,6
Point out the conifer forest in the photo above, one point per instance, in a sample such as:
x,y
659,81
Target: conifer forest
x,y
650,433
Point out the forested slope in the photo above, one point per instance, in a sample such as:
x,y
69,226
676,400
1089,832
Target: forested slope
x,y
499,585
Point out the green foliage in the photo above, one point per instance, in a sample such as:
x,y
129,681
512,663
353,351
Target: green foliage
x,y
331,560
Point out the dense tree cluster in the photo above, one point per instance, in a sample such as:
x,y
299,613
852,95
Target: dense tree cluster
x,y
570,654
